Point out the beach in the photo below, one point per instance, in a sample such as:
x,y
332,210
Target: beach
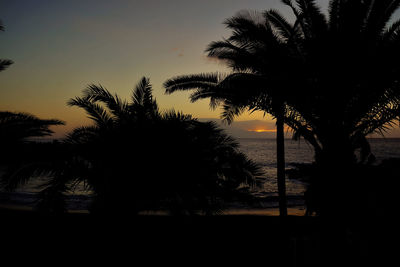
x,y
292,211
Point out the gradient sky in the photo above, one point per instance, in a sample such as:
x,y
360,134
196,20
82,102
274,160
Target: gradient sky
x,y
59,47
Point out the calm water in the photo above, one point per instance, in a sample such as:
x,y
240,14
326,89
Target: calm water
x,y
261,151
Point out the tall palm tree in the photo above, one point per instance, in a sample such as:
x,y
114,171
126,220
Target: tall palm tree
x,y
347,75
4,63
337,75
350,77
257,56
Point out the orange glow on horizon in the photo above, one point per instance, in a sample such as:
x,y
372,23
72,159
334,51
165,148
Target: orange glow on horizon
x,y
263,131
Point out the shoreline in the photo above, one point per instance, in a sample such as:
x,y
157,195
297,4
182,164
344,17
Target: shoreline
x,y
297,211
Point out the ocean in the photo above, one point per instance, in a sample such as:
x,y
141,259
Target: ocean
x,y
263,152
260,150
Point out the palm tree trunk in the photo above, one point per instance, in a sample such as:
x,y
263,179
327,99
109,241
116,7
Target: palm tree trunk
x,y
280,157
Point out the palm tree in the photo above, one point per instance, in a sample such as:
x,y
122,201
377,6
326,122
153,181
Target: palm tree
x,y
196,164
350,77
135,158
4,63
256,55
16,132
19,127
21,157
337,74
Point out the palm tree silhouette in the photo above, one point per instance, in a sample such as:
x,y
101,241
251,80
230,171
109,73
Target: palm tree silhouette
x,y
16,131
201,163
4,63
21,156
257,55
19,127
337,75
348,81
136,158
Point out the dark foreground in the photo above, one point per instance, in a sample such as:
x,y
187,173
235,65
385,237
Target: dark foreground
x,y
249,240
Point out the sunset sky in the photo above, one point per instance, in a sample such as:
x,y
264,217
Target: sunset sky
x,y
59,47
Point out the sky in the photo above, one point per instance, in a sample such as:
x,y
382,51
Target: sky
x,y
59,47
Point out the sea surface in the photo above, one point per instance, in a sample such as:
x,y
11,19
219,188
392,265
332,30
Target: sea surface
x,y
263,152
260,150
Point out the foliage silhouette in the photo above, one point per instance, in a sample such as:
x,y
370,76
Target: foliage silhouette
x,y
4,63
347,81
135,158
252,86
337,76
21,157
18,127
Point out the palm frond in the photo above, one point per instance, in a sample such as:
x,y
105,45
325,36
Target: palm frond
x,y
5,63
18,174
238,58
314,21
230,111
378,15
290,4
214,95
7,117
286,30
141,92
248,28
97,93
379,119
142,96
82,135
391,9
172,115
391,33
203,81
95,112
19,126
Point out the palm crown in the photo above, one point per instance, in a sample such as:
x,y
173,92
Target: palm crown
x,y
196,162
336,76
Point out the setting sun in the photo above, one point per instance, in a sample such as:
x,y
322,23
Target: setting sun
x,y
262,131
